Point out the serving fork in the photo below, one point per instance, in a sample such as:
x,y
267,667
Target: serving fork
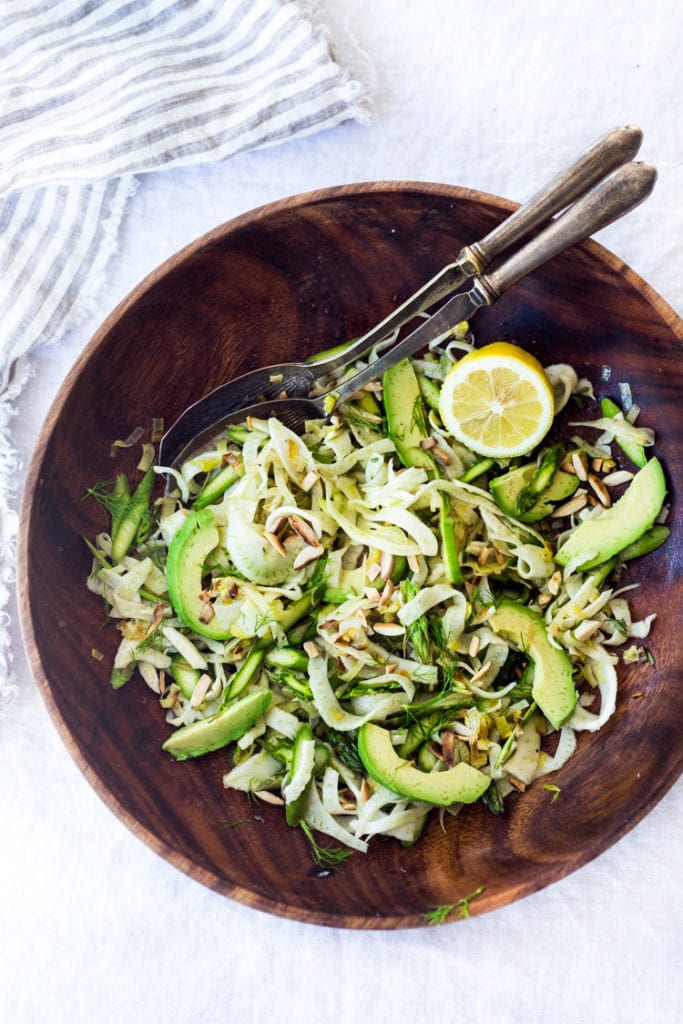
x,y
258,392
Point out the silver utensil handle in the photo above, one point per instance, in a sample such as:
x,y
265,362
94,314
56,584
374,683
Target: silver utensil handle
x,y
623,190
610,151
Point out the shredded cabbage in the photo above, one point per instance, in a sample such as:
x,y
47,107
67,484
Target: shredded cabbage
x,y
334,590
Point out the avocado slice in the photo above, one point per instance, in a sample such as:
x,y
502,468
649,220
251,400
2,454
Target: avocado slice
x,y
620,525
553,684
506,489
219,730
184,675
187,555
461,784
406,421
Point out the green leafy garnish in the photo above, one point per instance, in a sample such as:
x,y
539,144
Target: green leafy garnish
x,y
555,790
330,857
439,914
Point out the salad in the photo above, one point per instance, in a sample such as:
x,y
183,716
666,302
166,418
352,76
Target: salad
x,y
374,621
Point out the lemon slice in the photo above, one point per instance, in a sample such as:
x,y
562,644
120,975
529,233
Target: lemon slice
x,y
498,401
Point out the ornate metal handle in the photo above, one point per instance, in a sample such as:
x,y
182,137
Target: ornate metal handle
x,y
626,188
614,148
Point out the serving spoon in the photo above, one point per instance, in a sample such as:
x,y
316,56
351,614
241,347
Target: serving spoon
x,y
205,416
613,197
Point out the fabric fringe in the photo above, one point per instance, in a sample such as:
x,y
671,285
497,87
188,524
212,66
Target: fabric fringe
x,y
10,468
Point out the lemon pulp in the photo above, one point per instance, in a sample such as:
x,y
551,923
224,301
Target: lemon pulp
x,y
498,401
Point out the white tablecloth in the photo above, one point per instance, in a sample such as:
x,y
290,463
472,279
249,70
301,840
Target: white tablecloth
x,y
96,927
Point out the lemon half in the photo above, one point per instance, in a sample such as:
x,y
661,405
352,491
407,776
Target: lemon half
x,y
498,401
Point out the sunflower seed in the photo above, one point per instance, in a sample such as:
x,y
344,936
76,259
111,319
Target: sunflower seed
x,y
600,491
308,555
386,565
388,629
304,530
554,583
386,594
580,466
586,629
200,690
574,504
273,539
309,480
622,476
269,798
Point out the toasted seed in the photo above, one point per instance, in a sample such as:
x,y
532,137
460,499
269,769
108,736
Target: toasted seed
x,y
427,443
311,650
586,629
373,385
170,697
162,682
309,480
544,600
597,465
500,557
580,466
483,555
480,673
360,615
201,689
308,555
386,594
475,644
269,798
600,491
441,456
517,784
575,504
413,563
622,476
388,629
448,747
372,594
273,539
207,613
304,530
554,583
386,565
365,791
374,571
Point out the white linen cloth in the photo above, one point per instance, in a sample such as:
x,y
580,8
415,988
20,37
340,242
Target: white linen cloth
x,y
94,94
95,927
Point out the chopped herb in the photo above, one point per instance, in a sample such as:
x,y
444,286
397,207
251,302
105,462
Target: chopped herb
x,y
331,857
418,631
233,824
440,913
346,748
555,790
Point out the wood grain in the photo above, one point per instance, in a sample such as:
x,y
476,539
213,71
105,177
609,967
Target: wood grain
x,y
278,284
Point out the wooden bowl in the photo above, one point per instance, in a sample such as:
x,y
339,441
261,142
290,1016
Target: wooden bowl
x,y
278,284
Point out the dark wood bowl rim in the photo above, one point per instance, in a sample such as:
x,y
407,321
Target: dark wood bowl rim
x,y
238,893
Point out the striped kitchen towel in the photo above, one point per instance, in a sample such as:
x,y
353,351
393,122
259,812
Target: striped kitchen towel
x,y
95,92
